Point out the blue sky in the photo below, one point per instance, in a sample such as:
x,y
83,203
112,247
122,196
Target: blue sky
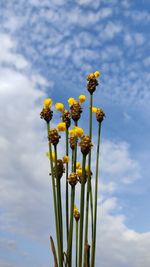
x,y
46,49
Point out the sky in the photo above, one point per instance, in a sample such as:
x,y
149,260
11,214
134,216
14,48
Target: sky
x,y
46,50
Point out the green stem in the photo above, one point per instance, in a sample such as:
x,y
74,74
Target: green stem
x,y
54,197
69,247
76,243
89,181
75,150
59,207
82,211
67,198
95,201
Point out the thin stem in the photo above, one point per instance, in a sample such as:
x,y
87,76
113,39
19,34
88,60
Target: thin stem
x,y
95,201
75,151
69,247
67,198
82,211
89,180
54,198
59,207
77,243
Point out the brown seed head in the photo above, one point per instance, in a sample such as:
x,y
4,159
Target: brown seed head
x,y
72,142
85,144
46,114
76,111
53,136
73,178
91,85
100,115
60,169
66,117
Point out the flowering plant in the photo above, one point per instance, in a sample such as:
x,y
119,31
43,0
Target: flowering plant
x,y
75,173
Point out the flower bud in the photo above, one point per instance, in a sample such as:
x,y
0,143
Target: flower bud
x,y
76,111
66,117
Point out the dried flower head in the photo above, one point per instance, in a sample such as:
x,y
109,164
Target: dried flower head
x,y
92,82
100,115
85,144
60,169
59,106
66,117
73,178
46,114
53,136
76,214
76,111
72,142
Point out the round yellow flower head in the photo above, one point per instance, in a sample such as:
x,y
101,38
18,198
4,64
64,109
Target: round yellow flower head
x,y
97,74
53,155
48,103
94,109
82,98
61,126
71,101
59,106
78,131
66,159
75,209
72,132
78,165
79,172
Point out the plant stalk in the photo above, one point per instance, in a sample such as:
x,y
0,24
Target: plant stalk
x,y
95,201
70,238
77,234
67,198
82,211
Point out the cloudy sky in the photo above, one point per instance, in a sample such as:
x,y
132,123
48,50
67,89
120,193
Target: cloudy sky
x,y
46,49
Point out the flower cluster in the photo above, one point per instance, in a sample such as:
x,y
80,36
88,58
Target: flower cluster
x,y
74,173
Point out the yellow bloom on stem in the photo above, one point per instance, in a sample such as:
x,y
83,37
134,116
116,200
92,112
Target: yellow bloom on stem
x,y
71,101
78,131
75,209
78,165
66,159
72,132
53,155
82,98
59,106
79,172
97,74
61,126
94,109
48,103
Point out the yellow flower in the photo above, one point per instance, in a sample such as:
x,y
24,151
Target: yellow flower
x,y
75,209
59,106
71,101
72,132
97,74
78,131
79,172
66,159
78,165
48,103
94,109
53,155
61,126
82,98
